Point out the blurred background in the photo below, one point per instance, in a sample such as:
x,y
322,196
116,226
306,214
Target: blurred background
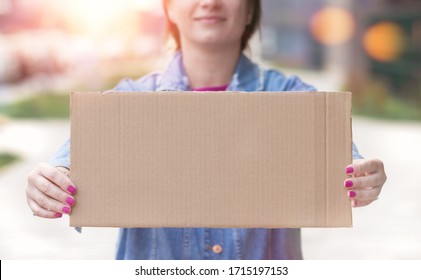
x,y
369,47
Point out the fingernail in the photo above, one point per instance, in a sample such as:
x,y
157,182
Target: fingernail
x,y
71,189
352,194
70,201
349,170
58,215
348,183
66,210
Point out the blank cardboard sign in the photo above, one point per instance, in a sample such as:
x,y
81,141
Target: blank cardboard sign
x,y
211,159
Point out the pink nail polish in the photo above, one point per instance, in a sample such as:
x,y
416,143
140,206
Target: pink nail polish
x,y
58,215
66,210
352,194
348,183
71,189
349,170
70,201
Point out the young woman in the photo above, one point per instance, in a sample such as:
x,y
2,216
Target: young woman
x,y
211,36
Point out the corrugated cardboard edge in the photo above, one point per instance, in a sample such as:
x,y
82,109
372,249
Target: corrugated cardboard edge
x,y
347,96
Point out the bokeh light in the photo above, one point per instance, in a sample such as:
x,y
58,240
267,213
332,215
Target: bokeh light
x,y
384,41
147,5
98,18
332,26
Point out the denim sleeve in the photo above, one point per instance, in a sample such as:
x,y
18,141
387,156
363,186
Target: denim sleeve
x,y
62,156
277,81
294,83
355,152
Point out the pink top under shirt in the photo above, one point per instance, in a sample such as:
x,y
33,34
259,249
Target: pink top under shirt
x,y
217,88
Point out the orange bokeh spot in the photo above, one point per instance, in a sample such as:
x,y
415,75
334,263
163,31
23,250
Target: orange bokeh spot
x,y
332,26
384,41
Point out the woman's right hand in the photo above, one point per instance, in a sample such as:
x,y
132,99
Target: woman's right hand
x,y
50,192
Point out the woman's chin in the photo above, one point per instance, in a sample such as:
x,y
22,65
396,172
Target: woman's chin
x,y
216,43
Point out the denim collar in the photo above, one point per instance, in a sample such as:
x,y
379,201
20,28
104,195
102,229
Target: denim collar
x,y
247,76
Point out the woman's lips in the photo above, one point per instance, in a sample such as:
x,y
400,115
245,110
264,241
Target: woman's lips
x,y
210,19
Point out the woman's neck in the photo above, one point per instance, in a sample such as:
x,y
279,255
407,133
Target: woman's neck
x,y
209,67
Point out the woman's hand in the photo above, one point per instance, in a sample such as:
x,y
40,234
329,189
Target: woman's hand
x,y
365,181
49,192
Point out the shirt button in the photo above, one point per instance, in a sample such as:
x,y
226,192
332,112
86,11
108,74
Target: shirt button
x,y
217,249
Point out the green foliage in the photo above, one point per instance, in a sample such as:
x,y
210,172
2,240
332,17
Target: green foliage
x,y
42,106
6,159
376,100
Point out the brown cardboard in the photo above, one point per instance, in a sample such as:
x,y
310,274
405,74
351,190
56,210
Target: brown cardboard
x,y
210,159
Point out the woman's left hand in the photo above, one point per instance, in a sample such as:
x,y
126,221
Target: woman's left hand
x,y
365,181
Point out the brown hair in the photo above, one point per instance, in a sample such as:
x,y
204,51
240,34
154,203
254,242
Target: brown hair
x,y
254,24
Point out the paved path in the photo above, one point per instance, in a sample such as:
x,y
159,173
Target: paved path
x,y
388,229
23,236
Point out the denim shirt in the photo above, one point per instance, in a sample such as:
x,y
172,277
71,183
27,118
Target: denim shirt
x,y
207,243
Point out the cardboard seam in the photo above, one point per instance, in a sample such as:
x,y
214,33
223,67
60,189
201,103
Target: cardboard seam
x,y
326,139
349,109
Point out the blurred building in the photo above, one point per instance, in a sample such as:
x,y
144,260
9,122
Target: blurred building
x,y
361,39
286,34
44,38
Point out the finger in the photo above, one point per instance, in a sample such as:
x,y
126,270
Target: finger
x,y
362,203
368,181
57,177
43,213
64,170
364,194
47,202
53,191
366,166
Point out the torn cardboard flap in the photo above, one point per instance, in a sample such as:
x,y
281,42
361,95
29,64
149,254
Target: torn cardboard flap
x,y
211,159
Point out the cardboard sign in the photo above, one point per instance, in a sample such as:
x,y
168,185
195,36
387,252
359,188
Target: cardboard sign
x,y
211,159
